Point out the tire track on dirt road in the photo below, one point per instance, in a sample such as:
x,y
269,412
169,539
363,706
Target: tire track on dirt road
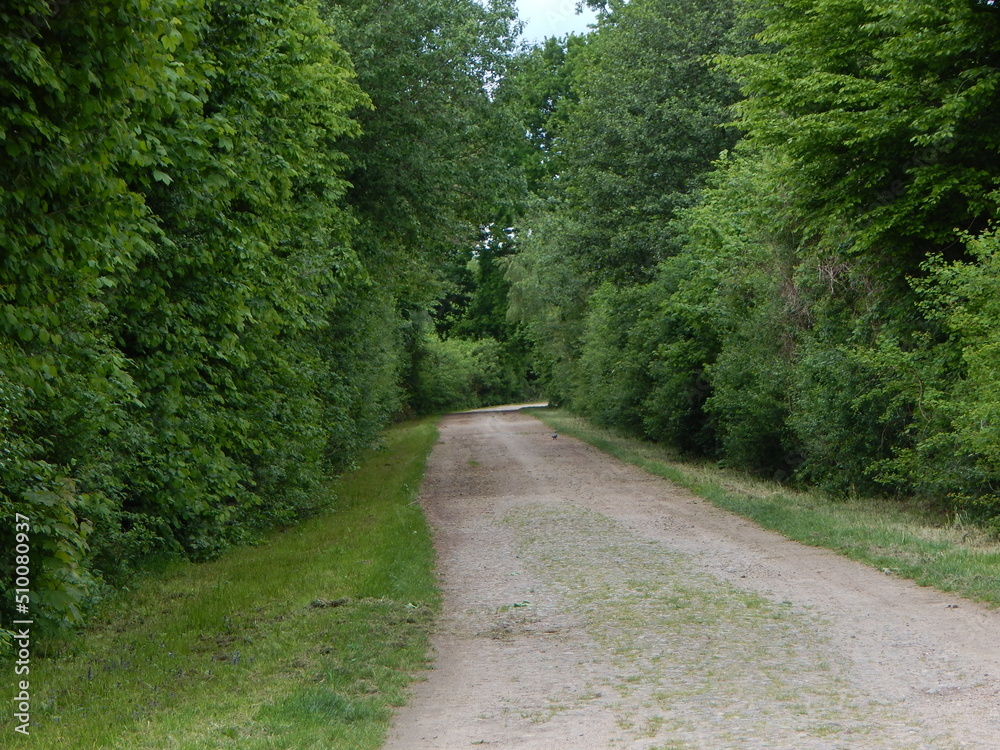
x,y
588,605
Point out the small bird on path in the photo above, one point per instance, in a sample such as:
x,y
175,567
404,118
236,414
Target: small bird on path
x,y
555,435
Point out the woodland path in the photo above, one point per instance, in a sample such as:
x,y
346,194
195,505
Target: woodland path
x,y
589,605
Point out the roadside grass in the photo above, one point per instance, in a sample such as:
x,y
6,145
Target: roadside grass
x,y
891,536
306,641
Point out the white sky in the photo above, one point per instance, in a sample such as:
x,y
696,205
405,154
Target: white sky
x,y
544,18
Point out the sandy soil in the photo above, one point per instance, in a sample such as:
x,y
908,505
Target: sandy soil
x,y
589,605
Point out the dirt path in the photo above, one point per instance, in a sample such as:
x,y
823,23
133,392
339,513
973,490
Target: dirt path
x,y
589,605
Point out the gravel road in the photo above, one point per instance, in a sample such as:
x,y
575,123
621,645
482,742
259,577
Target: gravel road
x,y
588,605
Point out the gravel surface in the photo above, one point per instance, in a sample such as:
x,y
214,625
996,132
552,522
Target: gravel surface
x,y
590,605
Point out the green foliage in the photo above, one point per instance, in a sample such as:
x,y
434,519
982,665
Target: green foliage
x,y
614,357
539,90
648,124
431,186
821,307
430,167
452,374
884,110
476,310
954,456
548,296
749,402
361,347
700,297
879,116
626,122
683,340
849,409
220,320
73,78
197,327
970,311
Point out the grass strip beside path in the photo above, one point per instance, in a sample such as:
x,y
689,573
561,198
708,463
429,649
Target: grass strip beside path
x,y
306,641
891,536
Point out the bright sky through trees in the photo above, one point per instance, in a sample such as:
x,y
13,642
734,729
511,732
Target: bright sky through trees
x,y
545,18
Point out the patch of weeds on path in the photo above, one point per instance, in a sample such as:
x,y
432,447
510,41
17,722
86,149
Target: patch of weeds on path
x,y
697,662
891,536
306,641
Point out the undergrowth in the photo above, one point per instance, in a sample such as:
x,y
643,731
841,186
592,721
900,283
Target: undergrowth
x,y
306,641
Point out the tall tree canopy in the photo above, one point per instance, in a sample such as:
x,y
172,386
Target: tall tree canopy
x,y
628,122
885,114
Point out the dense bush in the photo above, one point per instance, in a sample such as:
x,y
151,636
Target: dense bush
x,y
954,457
201,319
614,358
453,374
76,79
817,305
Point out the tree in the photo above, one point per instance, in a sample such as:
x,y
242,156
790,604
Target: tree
x,y
649,122
431,174
174,241
74,78
429,169
627,121
885,112
539,92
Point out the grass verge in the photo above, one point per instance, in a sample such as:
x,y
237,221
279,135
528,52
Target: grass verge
x,y
306,641
891,536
